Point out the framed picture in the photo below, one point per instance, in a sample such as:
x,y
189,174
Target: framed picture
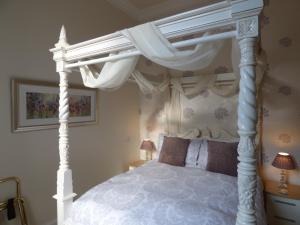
x,y
35,105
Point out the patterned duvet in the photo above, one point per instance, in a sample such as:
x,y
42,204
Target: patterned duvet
x,y
160,194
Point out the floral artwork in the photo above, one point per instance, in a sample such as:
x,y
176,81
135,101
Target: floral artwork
x,y
41,105
80,105
36,105
44,105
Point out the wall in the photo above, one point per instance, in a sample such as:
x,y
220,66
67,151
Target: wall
x,y
281,92
281,40
28,29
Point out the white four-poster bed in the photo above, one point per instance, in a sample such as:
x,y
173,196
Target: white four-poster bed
x,y
242,18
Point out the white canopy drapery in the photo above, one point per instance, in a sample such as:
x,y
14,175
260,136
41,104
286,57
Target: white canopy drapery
x,y
148,39
153,45
112,75
207,81
146,86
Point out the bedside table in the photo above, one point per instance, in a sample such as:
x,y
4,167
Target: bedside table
x,y
136,164
282,209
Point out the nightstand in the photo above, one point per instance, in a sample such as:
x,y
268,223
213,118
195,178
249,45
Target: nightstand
x,y
282,209
136,164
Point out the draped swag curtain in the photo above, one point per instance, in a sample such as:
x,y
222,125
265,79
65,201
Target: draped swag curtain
x,y
153,45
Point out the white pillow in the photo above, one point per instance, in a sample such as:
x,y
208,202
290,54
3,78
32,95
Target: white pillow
x,y
197,154
159,145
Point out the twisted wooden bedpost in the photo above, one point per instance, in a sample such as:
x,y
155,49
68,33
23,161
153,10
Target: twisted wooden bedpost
x,y
247,31
65,193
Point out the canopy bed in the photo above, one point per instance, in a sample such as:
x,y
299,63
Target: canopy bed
x,y
161,41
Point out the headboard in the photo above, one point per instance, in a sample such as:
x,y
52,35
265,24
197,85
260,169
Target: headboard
x,y
209,133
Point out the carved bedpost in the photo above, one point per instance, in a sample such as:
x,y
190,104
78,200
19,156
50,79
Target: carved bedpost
x,y
65,193
247,31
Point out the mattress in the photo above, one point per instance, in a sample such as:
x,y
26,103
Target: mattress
x,y
161,194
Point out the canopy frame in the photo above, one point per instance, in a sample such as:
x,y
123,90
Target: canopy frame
x,y
242,16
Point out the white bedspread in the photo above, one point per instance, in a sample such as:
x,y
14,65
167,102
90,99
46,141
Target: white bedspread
x,y
160,194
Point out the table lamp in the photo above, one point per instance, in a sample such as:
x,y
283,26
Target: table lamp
x,y
283,161
148,146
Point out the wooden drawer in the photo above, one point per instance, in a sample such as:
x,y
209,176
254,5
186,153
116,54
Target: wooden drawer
x,y
283,211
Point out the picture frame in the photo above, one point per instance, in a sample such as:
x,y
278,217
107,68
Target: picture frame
x,y
35,105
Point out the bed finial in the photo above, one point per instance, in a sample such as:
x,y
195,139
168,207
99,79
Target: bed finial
x,y
62,41
62,35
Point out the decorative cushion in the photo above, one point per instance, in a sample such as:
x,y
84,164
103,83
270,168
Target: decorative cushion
x,y
222,157
174,151
197,154
159,145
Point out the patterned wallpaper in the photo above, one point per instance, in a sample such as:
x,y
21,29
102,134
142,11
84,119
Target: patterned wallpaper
x,y
281,92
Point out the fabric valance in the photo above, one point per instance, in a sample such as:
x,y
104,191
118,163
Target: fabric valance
x,y
149,40
154,46
112,75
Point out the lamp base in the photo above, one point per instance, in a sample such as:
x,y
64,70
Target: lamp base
x,y
282,188
148,155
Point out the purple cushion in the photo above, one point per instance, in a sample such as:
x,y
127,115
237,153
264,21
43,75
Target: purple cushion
x,y
174,151
222,157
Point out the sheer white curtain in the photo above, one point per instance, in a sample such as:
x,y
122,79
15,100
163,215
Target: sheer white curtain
x,y
112,75
150,41
207,81
146,86
154,46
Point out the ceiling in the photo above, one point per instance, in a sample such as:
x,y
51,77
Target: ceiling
x,y
147,10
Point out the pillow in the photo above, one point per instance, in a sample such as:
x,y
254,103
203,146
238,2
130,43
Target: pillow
x,y
197,154
159,145
174,150
222,157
